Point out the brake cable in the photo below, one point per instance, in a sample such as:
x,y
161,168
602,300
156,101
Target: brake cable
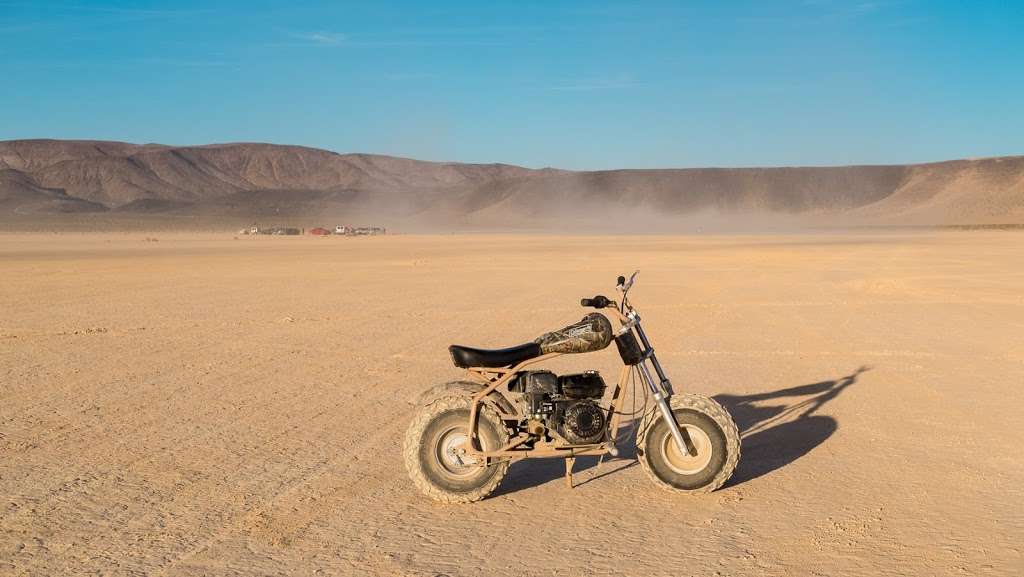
x,y
633,424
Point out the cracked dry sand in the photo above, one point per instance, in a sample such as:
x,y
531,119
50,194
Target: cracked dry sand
x,y
209,406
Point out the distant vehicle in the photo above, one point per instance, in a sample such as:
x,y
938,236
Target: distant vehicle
x,y
368,231
276,230
359,230
318,231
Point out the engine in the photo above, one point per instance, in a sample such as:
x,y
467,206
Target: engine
x,y
581,422
564,404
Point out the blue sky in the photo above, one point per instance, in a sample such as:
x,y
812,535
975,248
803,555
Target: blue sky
x,y
582,85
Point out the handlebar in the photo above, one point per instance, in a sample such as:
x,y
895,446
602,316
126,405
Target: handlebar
x,y
623,285
602,302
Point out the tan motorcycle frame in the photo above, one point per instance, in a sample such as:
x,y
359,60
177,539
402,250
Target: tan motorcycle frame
x,y
495,380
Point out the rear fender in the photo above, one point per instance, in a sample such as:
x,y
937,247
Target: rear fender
x,y
462,388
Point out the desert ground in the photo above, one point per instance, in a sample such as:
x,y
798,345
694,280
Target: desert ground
x,y
200,404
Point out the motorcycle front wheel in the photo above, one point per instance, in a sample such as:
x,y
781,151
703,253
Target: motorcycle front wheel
x,y
714,436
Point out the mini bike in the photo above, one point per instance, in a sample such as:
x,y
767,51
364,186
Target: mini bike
x,y
465,433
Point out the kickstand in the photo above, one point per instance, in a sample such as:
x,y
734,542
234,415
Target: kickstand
x,y
568,471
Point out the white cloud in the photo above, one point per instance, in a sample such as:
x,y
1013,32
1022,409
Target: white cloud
x,y
324,38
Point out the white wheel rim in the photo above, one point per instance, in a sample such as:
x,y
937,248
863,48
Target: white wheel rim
x,y
692,463
450,453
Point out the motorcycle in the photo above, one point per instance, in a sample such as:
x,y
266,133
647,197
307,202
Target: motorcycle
x,y
465,434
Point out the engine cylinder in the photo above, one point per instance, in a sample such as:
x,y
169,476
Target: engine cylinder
x,y
588,385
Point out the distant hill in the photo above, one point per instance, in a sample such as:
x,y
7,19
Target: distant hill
x,y
257,180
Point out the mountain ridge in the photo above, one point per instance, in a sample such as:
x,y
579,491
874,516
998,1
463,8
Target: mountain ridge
x,y
254,179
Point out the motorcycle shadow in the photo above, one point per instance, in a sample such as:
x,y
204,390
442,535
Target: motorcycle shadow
x,y
777,433
774,435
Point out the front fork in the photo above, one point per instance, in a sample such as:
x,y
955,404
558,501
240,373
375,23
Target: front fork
x,y
662,391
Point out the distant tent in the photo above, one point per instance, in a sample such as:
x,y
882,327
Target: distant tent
x,y
319,231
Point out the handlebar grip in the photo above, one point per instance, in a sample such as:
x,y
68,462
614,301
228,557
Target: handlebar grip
x,y
598,302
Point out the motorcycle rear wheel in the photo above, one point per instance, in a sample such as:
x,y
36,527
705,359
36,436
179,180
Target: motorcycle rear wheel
x,y
714,436
432,451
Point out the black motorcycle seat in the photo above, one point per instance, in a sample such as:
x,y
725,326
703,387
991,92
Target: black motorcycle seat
x,y
465,357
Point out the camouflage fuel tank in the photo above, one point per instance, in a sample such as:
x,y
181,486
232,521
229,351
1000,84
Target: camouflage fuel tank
x,y
593,333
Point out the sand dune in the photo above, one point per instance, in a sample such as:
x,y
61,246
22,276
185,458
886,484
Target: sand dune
x,y
253,180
